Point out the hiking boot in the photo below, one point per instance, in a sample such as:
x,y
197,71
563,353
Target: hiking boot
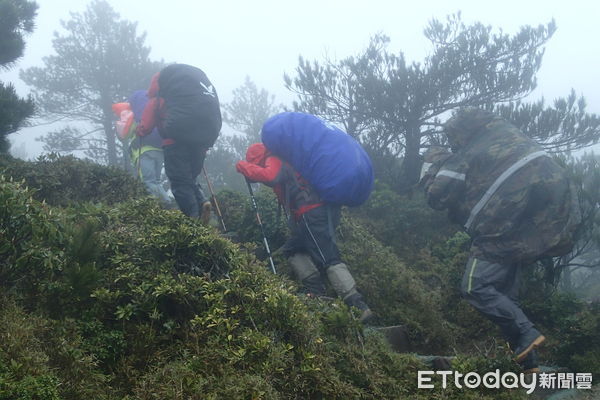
x,y
206,210
530,363
527,343
314,285
356,300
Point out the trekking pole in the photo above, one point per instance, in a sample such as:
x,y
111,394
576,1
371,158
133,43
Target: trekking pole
x,y
214,198
139,161
262,229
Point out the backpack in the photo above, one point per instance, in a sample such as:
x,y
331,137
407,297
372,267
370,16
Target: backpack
x,y
332,161
192,111
125,122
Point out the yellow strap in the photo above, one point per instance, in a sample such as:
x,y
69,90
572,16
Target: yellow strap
x,y
138,152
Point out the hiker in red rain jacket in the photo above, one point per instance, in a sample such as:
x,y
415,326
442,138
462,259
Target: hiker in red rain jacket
x,y
184,106
311,250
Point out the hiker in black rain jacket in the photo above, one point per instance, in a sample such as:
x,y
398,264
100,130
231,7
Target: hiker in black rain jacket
x,y
185,107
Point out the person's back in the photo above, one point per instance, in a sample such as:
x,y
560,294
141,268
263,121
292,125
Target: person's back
x,y
147,153
518,202
192,112
185,108
331,160
311,250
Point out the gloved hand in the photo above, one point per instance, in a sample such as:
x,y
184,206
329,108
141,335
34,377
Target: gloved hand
x,y
240,166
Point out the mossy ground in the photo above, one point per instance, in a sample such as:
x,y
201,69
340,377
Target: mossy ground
x,y
106,298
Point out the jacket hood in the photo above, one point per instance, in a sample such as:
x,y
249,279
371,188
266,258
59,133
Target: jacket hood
x,y
436,153
464,124
257,154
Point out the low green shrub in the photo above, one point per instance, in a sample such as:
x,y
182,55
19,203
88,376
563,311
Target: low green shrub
x,y
393,290
43,359
136,302
67,180
405,223
571,327
240,217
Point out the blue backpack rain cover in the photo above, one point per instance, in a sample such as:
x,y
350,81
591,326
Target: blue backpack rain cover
x,y
330,159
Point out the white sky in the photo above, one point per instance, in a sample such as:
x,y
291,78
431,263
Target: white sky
x,y
230,39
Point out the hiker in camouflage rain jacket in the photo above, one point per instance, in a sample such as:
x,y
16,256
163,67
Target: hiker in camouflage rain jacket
x,y
516,203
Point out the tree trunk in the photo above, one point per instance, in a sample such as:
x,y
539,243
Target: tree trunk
x,y
111,145
551,272
351,125
409,174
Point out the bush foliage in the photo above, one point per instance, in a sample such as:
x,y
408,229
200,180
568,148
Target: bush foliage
x,y
408,261
67,180
112,297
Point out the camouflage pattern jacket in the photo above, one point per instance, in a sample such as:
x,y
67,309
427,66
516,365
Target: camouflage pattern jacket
x,y
513,199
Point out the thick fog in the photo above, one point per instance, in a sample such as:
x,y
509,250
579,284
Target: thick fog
x,y
263,39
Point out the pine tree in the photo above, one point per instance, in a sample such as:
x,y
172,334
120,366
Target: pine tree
x,y
246,113
396,108
99,61
16,21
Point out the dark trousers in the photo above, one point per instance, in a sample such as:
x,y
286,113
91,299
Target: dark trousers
x,y
314,233
492,289
183,164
